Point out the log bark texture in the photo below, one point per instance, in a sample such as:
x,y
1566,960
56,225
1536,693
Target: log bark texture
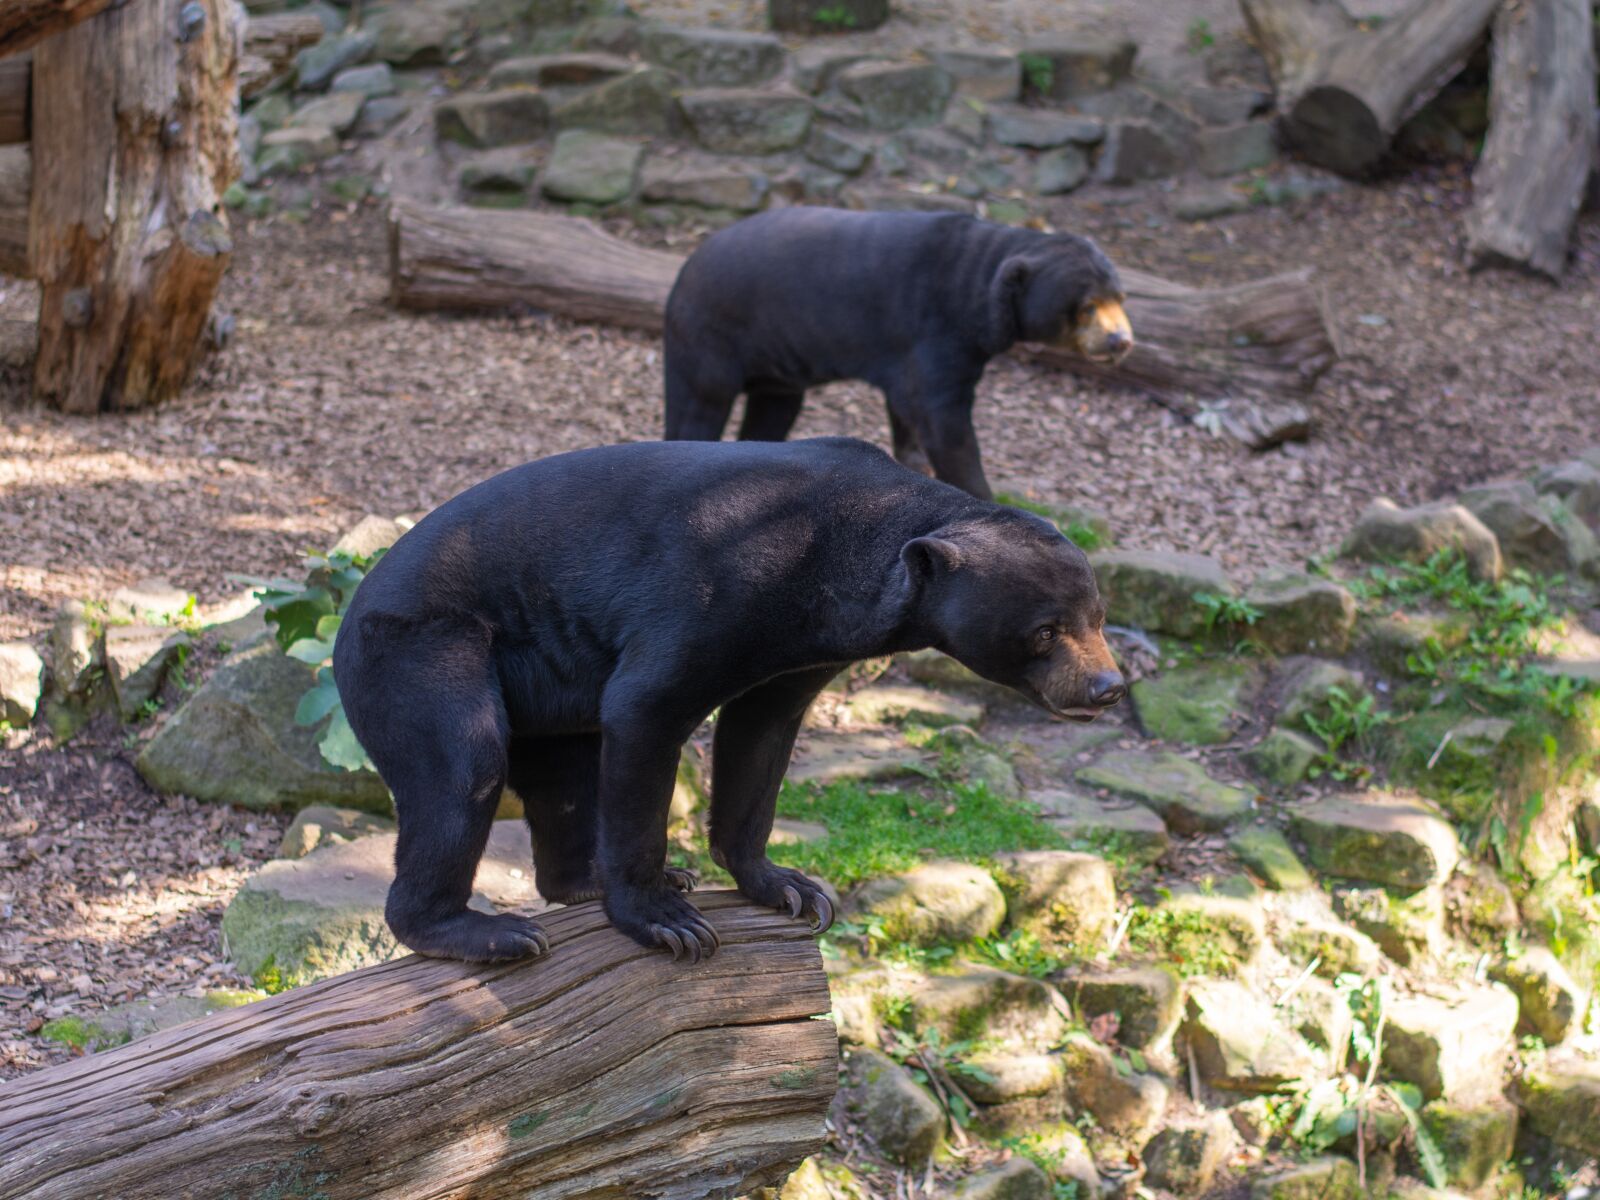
x,y
270,44
602,1071
1269,337
16,85
1530,182
16,185
24,22
139,108
1341,103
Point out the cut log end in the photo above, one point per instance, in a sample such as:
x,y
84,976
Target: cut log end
x,y
1336,129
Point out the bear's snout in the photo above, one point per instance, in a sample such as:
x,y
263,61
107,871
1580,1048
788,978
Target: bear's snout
x,y
1107,689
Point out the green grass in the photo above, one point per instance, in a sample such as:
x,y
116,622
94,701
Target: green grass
x,y
1084,536
884,830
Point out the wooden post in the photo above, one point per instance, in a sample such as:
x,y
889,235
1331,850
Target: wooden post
x,y
135,120
599,1072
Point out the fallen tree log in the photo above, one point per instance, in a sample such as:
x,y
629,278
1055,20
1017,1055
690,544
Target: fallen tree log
x,y
1266,338
16,184
270,44
24,22
1530,182
16,83
1342,103
601,1071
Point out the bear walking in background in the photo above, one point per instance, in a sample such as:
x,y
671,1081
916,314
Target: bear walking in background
x,y
564,627
915,304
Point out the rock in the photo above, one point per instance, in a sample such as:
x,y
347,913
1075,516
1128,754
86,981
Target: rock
x,y
746,121
936,146
1185,1157
1551,1004
1577,485
1268,853
1014,1179
1535,532
1238,1043
336,111
814,66
1381,838
1063,897
1388,533
1001,1009
74,655
1230,930
417,35
381,113
21,683
1155,590
152,600
1067,1159
1325,1178
967,119
1188,799
859,755
1202,705
897,95
1136,150
321,825
272,110
1300,613
1129,832
124,1023
891,1108
591,168
934,902
1203,202
1040,129
369,535
559,70
1321,1015
993,76
1235,148
1454,1046
806,1183
940,671
617,34
137,658
1064,67
1408,927
991,771
643,104
1127,1104
236,742
1305,688
374,79
837,151
1337,949
713,57
1283,757
1012,1076
504,117
1475,1141
1147,1001
508,171
315,66
1480,903
703,181
1563,1104
284,151
891,704
826,16
295,921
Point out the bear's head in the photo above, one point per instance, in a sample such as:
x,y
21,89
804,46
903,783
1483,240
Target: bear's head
x,y
1064,292
1009,597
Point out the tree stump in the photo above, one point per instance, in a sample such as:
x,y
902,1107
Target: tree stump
x,y
1530,182
601,1071
128,239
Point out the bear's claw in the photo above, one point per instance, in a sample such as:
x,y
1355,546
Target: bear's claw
x,y
694,939
685,879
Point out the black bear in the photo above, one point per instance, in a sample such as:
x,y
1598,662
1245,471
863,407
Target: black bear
x,y
563,628
915,304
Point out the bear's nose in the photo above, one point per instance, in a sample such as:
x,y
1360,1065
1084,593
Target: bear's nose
x,y
1107,689
1118,342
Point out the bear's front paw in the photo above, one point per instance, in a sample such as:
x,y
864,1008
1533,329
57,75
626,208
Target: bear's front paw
x,y
663,918
476,937
788,891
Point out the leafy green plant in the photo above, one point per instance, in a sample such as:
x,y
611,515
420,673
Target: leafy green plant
x,y
1350,720
307,618
1019,952
937,1065
1053,1162
1187,938
834,16
1199,36
1038,71
1229,612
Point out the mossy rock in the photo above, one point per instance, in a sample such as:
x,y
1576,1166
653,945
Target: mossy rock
x,y
1390,640
1327,1178
904,1121
1200,934
1300,613
1063,897
1378,837
1177,788
1239,1045
982,1003
1336,949
128,1022
1266,851
1147,1001
1202,705
1563,1104
1304,688
1159,590
1407,926
938,902
1284,756
1475,1140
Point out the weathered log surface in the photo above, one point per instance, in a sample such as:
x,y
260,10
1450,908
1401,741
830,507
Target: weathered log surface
x,y
1272,336
128,238
16,183
1530,182
16,84
24,22
601,1071
270,44
1293,34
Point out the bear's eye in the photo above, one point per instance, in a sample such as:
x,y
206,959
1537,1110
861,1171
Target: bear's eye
x,y
1045,637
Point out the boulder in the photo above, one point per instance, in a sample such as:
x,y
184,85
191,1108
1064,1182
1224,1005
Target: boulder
x,y
1268,853
1284,756
1207,201
1177,788
746,121
1562,1103
1235,148
1147,1001
1377,837
1014,1179
1305,686
902,1119
507,172
578,69
284,151
1136,150
337,111
938,670
991,771
319,825
642,103
315,66
1536,533
1060,170
1577,485
855,756
1065,898
1550,1003
996,1007
21,683
814,66
1001,1076
1122,831
382,113
373,79
826,16
299,920
1126,1103
1041,129
1327,1178
1454,1046
1474,1140
932,903
1067,1159
504,117
713,57
235,741
1156,590
1202,705
151,600
137,659
703,181
1185,1156
1067,66
897,95
591,168
992,75
1228,930
1390,639
1239,1045
1300,613
837,151
614,34
417,35
895,704
1335,948
369,535
1388,533
1408,926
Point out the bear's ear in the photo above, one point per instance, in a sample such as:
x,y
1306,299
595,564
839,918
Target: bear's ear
x,y
927,557
1005,304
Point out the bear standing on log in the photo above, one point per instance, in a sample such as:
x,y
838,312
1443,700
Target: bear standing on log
x,y
564,627
916,304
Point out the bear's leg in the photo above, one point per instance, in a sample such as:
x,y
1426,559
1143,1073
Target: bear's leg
x,y
770,411
558,781
944,427
699,397
907,450
755,736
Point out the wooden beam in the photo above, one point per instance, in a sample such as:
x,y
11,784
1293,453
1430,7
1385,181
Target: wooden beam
x,y
600,1071
24,22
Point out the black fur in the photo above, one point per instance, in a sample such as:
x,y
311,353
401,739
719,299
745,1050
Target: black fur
x,y
916,304
564,627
